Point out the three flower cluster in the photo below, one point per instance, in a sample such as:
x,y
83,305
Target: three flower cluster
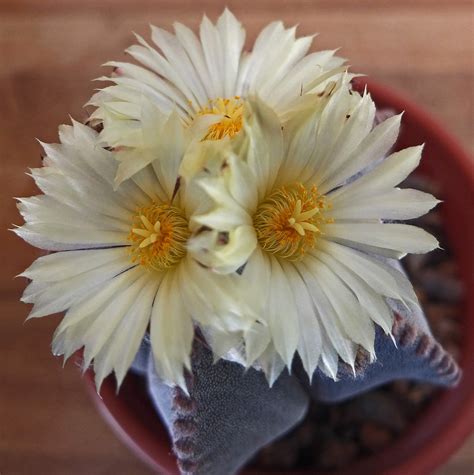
x,y
245,195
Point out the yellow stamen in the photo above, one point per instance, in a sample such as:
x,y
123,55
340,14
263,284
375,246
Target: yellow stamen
x,y
299,220
158,236
146,222
289,220
231,122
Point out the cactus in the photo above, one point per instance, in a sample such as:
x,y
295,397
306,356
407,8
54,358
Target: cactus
x,y
228,223
230,413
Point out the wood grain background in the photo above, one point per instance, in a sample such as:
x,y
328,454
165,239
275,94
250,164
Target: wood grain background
x,y
49,52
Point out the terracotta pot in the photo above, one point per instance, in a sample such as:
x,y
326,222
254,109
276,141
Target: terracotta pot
x,y
446,423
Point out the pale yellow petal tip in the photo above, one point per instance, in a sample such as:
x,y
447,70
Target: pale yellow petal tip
x,y
119,179
98,381
86,363
32,315
271,382
111,64
119,377
24,274
392,337
140,38
100,79
65,360
180,382
354,372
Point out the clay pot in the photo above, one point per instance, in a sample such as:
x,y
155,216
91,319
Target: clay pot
x,y
449,419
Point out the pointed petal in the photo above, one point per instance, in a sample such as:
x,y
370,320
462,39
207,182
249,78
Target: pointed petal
x,y
396,237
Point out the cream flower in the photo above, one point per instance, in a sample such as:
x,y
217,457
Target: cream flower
x,y
205,81
123,263
309,236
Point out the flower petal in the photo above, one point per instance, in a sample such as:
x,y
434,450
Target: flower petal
x,y
261,144
374,147
370,300
396,237
395,204
109,318
310,339
171,332
369,270
53,297
389,173
354,322
328,317
119,352
281,314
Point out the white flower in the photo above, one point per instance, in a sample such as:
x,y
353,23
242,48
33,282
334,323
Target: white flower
x,y
122,263
204,80
311,244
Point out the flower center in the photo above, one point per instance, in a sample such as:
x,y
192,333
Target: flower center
x,y
289,221
158,236
231,111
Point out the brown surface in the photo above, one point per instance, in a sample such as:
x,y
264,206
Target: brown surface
x,y
49,52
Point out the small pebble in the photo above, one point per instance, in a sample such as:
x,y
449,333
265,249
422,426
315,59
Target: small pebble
x,y
377,407
401,387
305,434
420,393
374,437
336,453
279,454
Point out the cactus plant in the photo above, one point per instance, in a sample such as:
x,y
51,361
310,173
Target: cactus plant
x,y
230,414
228,224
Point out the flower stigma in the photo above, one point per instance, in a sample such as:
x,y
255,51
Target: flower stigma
x,y
289,221
231,111
158,236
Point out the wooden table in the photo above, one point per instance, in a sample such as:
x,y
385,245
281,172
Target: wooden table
x,y
49,52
